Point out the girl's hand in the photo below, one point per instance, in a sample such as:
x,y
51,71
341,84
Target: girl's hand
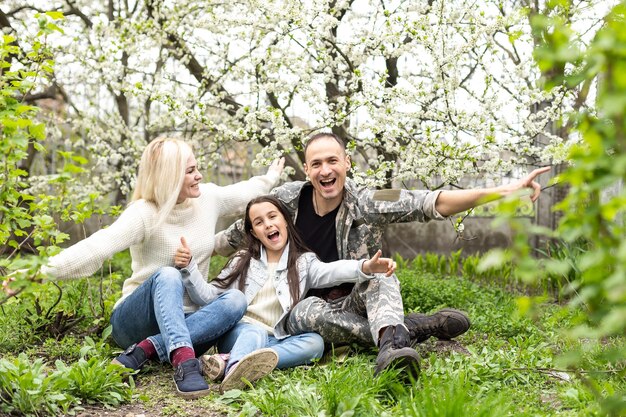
x,y
379,265
277,166
183,255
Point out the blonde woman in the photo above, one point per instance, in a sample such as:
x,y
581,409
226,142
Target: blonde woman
x,y
169,202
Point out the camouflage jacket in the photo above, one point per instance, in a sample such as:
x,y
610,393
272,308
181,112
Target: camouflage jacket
x,y
361,218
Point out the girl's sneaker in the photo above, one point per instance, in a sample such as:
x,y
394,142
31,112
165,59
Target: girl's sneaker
x,y
253,366
214,365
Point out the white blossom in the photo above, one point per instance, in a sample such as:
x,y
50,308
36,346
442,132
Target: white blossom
x,y
274,71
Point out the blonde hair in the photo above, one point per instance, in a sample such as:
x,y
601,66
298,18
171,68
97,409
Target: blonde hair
x,y
161,174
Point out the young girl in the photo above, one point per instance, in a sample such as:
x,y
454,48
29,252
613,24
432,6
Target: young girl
x,y
274,272
153,319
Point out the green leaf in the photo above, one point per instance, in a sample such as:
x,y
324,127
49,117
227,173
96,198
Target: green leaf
x,y
79,159
55,15
23,108
53,27
38,131
73,169
24,122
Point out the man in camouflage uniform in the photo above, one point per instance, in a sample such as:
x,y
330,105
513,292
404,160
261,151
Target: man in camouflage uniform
x,y
331,205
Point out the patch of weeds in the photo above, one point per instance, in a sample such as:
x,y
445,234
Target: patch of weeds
x,y
523,372
354,389
561,318
570,253
453,398
335,389
15,332
217,264
97,381
490,309
67,349
595,356
120,263
576,397
32,388
71,348
282,393
173,410
99,347
27,388
612,402
154,384
603,379
52,311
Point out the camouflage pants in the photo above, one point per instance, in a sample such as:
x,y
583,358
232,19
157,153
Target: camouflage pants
x,y
358,317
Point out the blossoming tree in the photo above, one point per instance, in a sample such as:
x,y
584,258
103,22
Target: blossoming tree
x,y
427,91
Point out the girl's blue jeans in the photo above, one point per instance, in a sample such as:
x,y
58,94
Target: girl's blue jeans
x,y
155,311
292,351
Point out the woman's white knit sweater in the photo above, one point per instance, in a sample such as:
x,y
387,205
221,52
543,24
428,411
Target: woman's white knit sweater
x,y
195,219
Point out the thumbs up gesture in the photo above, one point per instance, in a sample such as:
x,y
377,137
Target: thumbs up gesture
x,y
183,254
376,264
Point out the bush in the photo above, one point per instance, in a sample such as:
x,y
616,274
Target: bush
x,y
32,388
28,389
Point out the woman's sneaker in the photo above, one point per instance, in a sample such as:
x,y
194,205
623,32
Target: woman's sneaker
x,y
133,358
253,366
214,365
190,382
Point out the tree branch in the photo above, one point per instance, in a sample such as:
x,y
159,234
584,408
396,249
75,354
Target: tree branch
x,y
73,10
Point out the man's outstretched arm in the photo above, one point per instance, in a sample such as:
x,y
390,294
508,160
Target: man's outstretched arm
x,y
451,202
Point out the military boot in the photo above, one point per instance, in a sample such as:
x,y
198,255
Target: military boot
x,y
444,324
394,351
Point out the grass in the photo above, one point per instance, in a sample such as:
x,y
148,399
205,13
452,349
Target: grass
x,y
508,364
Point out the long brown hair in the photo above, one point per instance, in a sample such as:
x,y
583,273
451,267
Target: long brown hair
x,y
253,250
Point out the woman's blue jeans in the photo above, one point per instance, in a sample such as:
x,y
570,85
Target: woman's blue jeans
x,y
155,311
292,351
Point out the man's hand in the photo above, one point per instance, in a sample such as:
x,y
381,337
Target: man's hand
x,y
526,182
376,264
183,254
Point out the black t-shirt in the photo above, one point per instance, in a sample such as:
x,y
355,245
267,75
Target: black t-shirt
x,y
319,234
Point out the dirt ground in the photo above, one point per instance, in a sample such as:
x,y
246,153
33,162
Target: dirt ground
x,y
154,397
131,410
